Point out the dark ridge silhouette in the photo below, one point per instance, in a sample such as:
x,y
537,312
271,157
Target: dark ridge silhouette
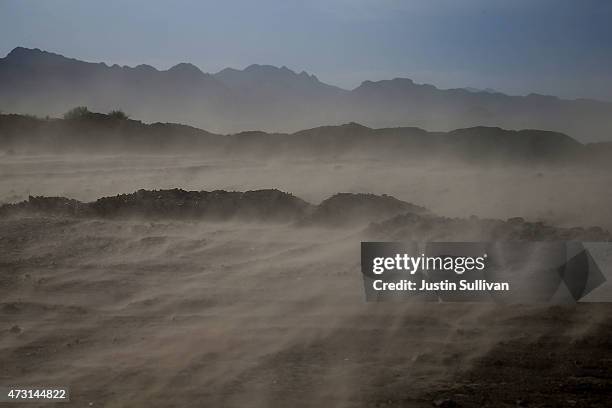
x,y
277,99
389,218
89,132
96,132
267,80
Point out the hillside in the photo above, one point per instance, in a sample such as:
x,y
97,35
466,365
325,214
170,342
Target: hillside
x,y
99,133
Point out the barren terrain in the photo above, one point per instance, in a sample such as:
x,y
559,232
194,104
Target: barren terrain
x,y
141,312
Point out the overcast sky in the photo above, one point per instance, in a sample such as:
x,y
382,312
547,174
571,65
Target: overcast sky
x,y
559,47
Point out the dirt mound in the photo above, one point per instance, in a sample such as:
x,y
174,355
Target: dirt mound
x,y
176,203
388,217
48,205
434,228
219,204
339,210
346,208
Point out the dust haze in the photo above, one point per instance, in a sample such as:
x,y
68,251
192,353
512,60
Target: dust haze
x,y
159,312
559,195
182,235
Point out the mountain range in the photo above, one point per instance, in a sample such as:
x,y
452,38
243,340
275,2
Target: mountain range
x,y
277,99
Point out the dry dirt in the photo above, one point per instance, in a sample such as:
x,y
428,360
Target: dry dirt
x,y
135,313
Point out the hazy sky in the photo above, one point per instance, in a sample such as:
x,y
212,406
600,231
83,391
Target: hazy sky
x,y
560,47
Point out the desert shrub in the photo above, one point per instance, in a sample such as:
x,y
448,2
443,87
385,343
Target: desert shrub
x,y
118,114
80,112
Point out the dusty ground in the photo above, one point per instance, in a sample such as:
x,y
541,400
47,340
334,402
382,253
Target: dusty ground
x,y
177,314
147,314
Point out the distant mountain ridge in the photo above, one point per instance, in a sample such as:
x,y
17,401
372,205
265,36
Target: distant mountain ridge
x,y
277,99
